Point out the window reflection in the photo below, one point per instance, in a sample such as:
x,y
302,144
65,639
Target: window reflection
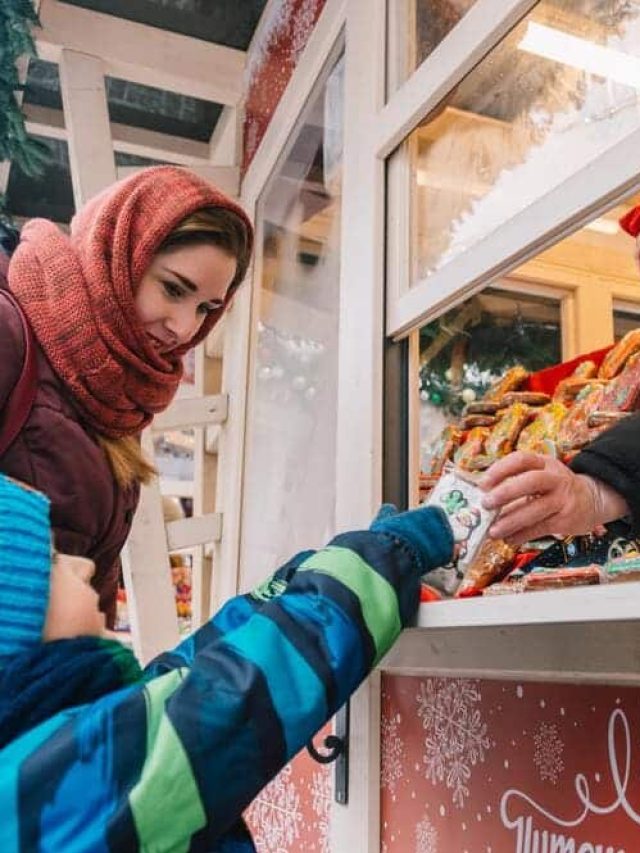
x,y
557,92
466,350
421,25
289,477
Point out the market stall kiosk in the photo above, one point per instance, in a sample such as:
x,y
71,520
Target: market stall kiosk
x,y
472,189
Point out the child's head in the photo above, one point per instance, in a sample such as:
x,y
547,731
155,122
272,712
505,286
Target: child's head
x,y
43,595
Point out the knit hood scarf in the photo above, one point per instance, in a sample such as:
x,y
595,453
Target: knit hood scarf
x,y
78,294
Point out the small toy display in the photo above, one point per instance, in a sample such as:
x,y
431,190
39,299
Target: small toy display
x,y
181,578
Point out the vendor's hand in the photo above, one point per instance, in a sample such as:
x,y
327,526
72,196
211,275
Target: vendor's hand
x,y
538,496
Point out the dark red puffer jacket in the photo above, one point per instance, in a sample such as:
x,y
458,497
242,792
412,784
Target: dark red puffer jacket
x,y
91,515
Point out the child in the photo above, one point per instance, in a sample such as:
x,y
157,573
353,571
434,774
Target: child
x,y
98,755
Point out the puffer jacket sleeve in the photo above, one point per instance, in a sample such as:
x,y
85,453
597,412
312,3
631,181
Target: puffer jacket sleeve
x,y
614,458
11,349
173,763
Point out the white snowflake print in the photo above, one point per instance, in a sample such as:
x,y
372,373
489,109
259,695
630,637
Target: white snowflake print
x,y
392,753
320,788
275,815
548,752
278,19
426,836
456,733
252,130
303,25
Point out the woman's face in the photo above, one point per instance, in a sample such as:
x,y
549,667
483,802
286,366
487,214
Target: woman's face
x,y
179,289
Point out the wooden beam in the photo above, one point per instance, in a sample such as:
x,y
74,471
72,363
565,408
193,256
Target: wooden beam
x,y
198,530
147,574
87,121
191,412
48,122
159,146
225,145
143,54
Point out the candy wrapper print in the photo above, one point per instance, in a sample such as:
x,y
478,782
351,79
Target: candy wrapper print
x,y
458,495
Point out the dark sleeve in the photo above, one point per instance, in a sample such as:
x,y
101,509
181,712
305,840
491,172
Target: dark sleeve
x,y
614,458
11,349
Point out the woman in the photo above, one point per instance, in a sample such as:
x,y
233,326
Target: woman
x,y
149,267
95,755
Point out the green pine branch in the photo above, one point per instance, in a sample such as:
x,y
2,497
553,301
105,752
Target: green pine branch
x,y
16,19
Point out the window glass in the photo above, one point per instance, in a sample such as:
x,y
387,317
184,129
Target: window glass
x,y
559,90
417,28
289,482
463,352
625,321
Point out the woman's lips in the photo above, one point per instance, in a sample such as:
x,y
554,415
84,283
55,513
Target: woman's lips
x,y
157,344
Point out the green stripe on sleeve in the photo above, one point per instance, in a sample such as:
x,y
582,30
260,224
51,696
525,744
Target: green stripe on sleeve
x,y
377,597
165,803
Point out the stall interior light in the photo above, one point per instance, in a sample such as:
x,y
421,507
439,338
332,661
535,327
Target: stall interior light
x,y
582,54
603,226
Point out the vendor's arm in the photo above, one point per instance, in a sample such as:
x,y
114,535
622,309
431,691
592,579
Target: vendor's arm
x,y
613,459
539,496
176,761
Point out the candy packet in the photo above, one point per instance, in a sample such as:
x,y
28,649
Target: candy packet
x,y
458,494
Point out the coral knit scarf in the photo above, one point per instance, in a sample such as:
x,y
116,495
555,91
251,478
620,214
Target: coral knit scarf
x,y
78,294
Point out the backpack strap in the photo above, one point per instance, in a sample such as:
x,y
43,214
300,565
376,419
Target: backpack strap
x,y
20,402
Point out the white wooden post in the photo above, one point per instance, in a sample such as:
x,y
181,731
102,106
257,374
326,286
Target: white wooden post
x,y
225,145
208,381
359,426
87,122
147,574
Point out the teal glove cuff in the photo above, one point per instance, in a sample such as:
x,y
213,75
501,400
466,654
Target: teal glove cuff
x,y
426,531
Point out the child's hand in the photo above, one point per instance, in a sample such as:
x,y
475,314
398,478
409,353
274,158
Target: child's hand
x,y
426,530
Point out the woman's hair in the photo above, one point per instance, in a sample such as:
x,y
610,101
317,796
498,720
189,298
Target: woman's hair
x,y
128,463
214,225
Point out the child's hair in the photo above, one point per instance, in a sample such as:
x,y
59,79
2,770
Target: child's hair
x,y
228,231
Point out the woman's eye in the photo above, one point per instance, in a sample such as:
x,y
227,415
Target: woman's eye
x,y
206,308
173,290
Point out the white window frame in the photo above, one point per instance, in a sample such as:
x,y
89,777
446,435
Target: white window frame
x,y
594,188
587,312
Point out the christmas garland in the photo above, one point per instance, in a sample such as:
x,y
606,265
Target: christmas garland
x,y
16,19
491,347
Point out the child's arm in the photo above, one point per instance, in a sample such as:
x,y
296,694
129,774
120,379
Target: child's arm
x,y
232,615
177,761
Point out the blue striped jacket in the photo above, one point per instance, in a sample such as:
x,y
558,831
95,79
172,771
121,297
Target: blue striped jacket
x,y
170,763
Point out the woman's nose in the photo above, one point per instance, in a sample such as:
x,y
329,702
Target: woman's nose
x,y
183,324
